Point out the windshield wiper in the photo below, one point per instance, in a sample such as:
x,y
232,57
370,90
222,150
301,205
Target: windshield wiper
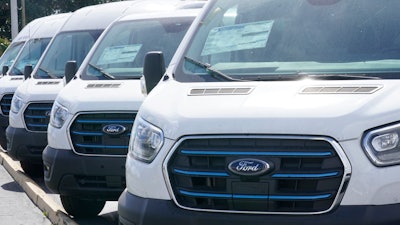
x,y
48,73
276,77
339,76
102,72
214,73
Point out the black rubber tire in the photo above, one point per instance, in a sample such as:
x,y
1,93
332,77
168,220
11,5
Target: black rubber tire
x,y
81,208
3,142
33,170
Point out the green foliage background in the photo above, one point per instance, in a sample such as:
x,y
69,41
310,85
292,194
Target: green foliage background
x,y
35,9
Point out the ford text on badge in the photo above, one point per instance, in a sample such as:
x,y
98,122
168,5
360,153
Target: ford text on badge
x,y
114,129
249,167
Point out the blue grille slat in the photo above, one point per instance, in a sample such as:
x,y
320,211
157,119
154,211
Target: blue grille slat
x,y
278,175
105,121
224,153
39,108
305,175
300,197
101,146
202,173
265,197
87,133
205,194
36,125
35,117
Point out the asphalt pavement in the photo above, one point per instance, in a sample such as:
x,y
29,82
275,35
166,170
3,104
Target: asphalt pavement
x,y
23,201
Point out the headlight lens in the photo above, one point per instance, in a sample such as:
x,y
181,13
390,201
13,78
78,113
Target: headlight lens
x,y
146,140
58,115
16,104
382,145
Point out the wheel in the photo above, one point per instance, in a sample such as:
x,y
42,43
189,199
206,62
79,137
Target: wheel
x,y
33,170
78,207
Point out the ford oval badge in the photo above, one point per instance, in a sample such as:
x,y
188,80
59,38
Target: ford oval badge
x,y
249,167
114,129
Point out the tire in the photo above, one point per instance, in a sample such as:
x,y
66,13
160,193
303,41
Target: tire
x,y
33,170
3,142
80,208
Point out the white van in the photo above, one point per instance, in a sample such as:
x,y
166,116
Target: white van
x,y
28,55
8,57
274,112
33,99
92,116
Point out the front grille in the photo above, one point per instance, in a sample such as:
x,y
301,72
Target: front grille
x,y
37,116
306,175
88,135
5,104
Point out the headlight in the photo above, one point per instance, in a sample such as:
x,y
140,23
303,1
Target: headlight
x,y
382,145
146,140
16,104
58,115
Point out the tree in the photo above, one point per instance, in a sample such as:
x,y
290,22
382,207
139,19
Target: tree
x,y
5,29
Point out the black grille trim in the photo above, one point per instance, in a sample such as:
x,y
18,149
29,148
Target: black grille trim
x,y
88,138
5,104
309,174
37,116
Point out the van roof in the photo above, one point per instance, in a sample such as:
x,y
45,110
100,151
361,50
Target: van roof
x,y
98,17
50,25
35,28
147,6
28,30
164,14
95,17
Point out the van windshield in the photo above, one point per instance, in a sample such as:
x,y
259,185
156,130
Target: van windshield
x,y
293,39
120,53
66,46
29,55
8,58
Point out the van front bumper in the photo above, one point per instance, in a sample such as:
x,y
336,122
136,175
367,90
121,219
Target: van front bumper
x,y
23,145
91,177
134,210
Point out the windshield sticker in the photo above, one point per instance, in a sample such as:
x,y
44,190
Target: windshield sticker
x,y
119,54
237,37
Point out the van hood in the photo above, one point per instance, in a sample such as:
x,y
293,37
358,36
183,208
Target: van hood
x,y
8,84
116,95
342,110
39,90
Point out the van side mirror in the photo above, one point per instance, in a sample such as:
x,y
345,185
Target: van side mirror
x,y
70,70
4,70
153,69
27,71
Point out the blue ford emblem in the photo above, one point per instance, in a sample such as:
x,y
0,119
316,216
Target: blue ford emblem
x,y
249,167
114,129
